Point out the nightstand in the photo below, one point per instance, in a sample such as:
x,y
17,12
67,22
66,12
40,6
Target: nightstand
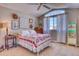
x,y
10,41
1,48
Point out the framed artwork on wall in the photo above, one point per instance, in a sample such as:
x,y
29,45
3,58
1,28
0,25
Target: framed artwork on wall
x,y
30,23
24,22
30,20
15,24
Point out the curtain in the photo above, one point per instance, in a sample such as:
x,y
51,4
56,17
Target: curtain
x,y
46,25
61,28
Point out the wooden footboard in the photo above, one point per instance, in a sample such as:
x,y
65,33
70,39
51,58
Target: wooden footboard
x,y
32,46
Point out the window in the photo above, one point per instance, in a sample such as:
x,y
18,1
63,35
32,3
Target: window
x,y
55,12
52,18
53,23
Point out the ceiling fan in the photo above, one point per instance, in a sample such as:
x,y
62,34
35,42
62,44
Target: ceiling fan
x,y
40,5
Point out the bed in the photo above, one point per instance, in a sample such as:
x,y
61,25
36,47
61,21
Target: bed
x,y
33,41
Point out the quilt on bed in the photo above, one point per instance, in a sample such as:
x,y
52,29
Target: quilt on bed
x,y
37,39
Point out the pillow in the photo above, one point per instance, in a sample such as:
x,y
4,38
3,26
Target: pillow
x,y
25,33
32,32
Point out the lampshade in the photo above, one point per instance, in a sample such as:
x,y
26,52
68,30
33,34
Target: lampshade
x,y
2,25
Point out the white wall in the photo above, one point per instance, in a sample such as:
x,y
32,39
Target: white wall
x,y
6,15
72,14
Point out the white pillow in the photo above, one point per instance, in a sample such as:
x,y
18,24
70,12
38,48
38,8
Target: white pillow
x,y
25,33
32,32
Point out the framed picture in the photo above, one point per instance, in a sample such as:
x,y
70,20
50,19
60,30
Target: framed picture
x,y
24,22
15,24
30,20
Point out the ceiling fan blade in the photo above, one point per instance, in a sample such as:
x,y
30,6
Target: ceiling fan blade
x,y
33,3
39,6
46,7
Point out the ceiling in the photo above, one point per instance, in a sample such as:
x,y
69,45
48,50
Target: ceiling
x,y
31,9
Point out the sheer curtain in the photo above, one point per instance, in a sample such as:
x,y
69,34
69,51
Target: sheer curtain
x,y
46,25
61,29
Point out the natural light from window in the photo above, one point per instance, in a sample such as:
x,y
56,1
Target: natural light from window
x,y
53,18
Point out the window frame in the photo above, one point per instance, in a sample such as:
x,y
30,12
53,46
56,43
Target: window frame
x,y
53,18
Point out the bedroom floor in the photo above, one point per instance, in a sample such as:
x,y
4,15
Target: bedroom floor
x,y
56,49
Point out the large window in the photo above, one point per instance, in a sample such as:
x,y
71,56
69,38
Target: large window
x,y
53,18
53,23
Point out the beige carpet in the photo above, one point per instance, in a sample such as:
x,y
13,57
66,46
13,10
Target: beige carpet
x,y
55,50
